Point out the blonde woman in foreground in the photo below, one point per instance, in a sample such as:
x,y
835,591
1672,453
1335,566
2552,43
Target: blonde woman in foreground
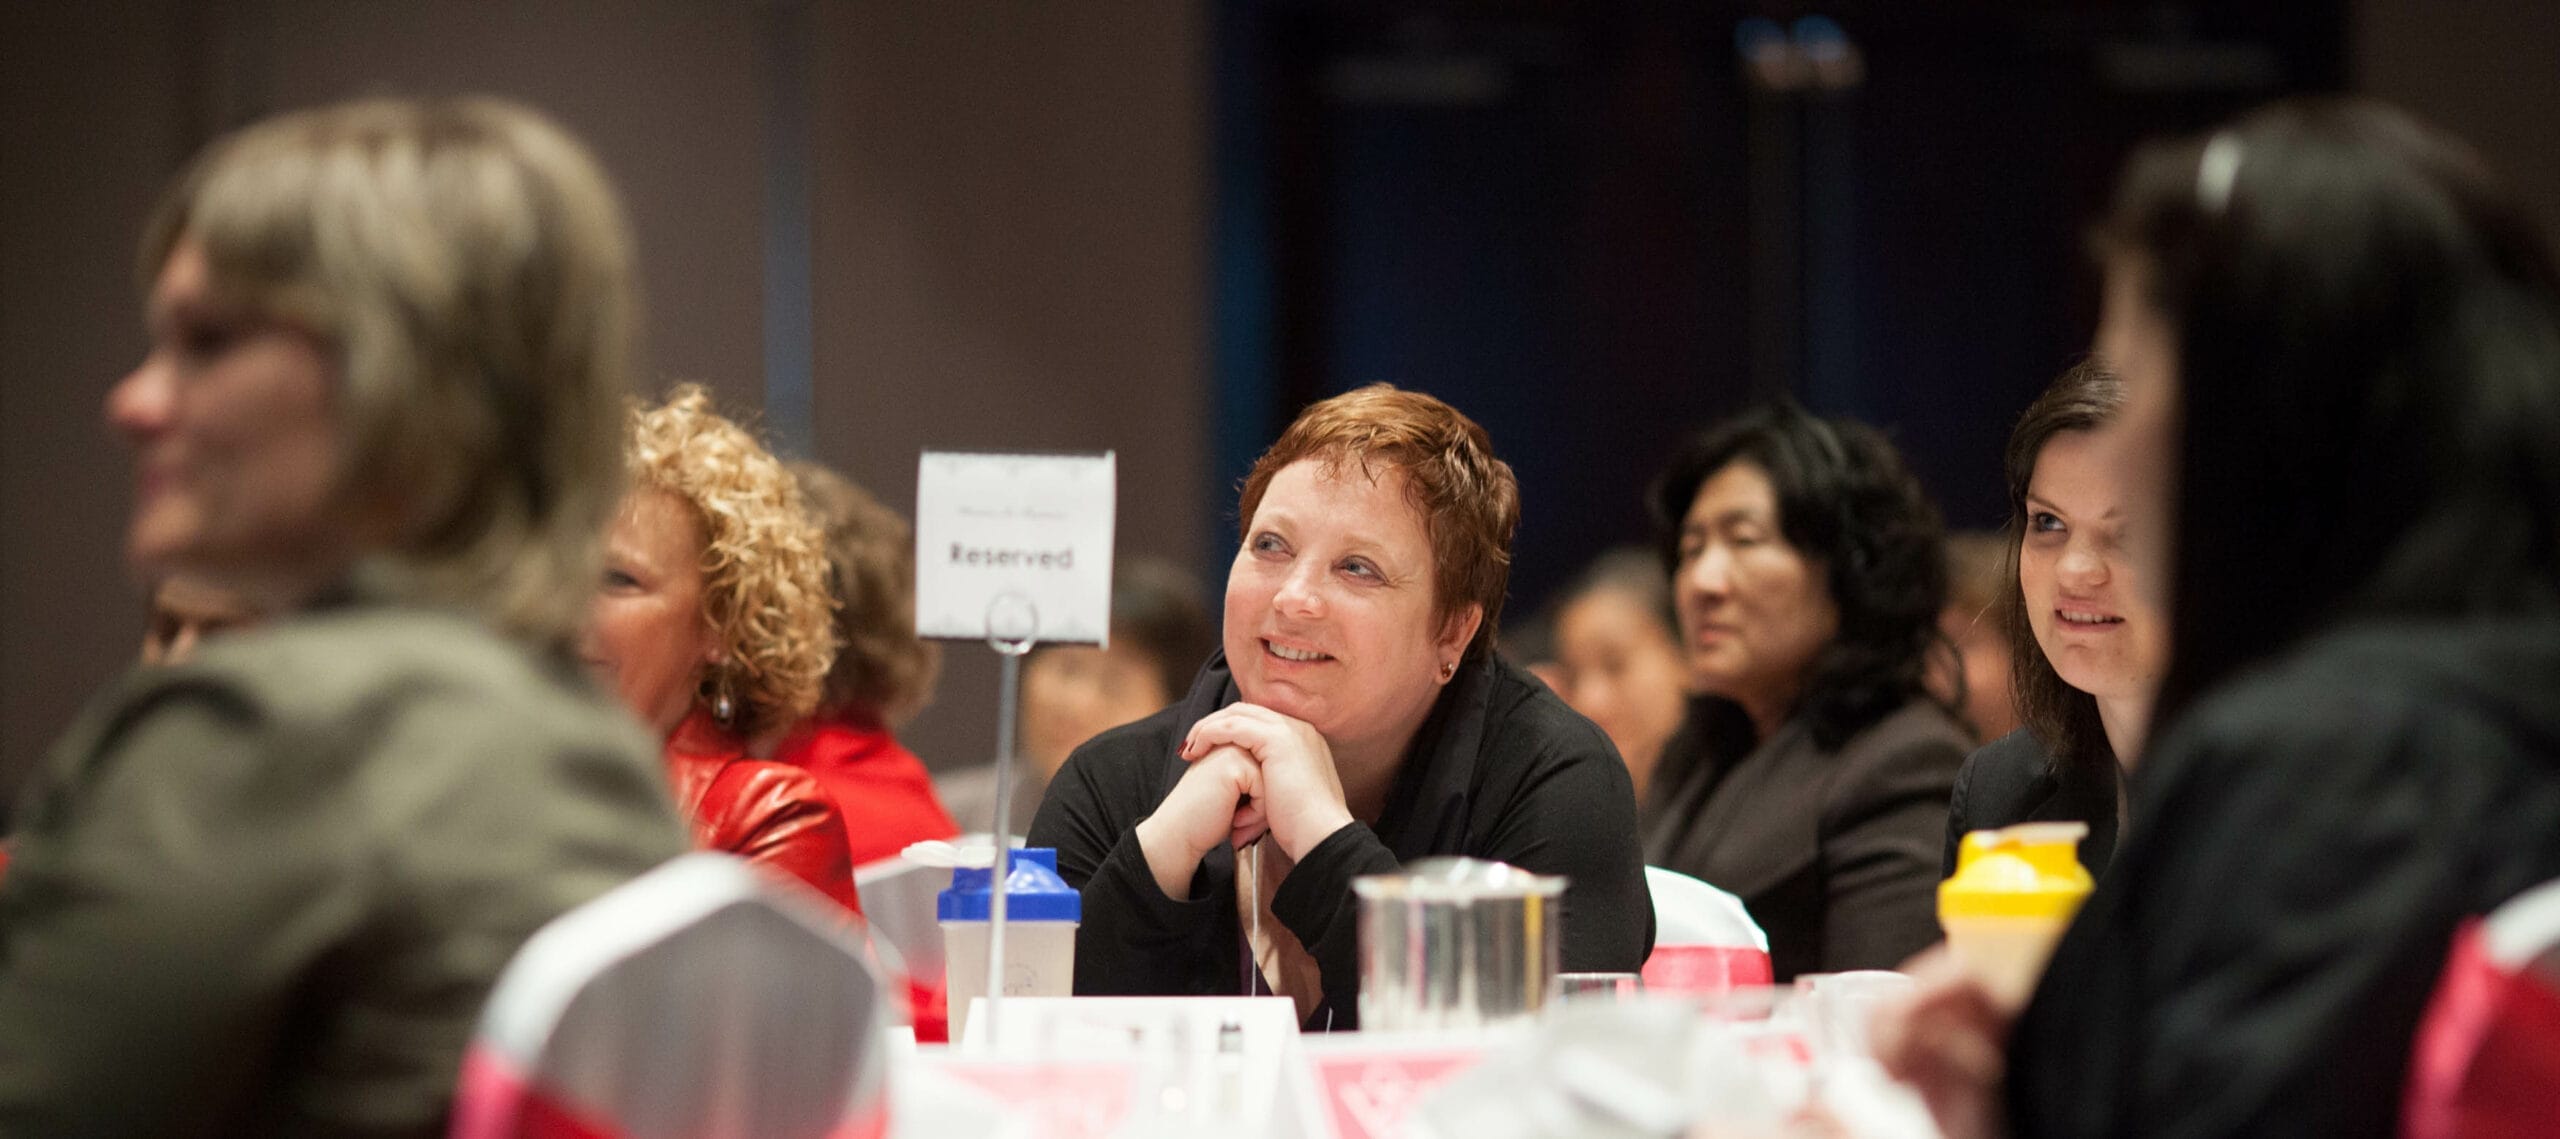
x,y
266,891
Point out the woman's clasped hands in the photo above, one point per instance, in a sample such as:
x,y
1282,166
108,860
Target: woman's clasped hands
x,y
1253,772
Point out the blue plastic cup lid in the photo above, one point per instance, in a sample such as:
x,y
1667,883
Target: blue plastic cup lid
x,y
1033,891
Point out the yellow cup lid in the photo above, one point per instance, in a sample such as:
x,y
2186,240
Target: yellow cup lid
x,y
2031,870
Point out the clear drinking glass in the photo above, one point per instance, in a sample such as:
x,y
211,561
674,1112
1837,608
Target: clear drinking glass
x,y
1598,986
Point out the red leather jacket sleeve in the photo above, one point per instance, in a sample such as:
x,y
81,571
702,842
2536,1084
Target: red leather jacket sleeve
x,y
779,816
772,814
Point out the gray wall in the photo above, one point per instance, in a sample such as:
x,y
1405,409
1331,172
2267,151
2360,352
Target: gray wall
x,y
2489,72
1011,253
1009,216
1008,213
99,105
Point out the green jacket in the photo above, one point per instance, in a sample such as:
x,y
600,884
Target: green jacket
x,y
267,892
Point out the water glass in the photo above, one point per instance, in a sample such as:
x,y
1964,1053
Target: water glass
x,y
1598,986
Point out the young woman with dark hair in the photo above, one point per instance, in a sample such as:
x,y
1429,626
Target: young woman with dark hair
x,y
1811,778
2087,643
2349,339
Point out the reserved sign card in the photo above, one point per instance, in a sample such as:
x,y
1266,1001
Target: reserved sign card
x,y
1015,546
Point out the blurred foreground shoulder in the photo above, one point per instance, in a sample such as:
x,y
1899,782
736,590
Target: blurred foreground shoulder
x,y
271,888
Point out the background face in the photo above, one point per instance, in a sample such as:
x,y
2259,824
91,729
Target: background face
x,y
647,641
1072,693
1619,665
185,611
1753,611
1990,704
236,451
1329,606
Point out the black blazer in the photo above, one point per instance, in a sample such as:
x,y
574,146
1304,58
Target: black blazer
x,y
2309,838
1830,851
2011,780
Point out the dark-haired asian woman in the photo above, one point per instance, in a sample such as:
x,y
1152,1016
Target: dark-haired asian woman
x,y
1811,778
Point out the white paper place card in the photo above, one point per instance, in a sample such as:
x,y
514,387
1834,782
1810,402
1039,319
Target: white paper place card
x,y
1014,546
1225,1066
1370,1082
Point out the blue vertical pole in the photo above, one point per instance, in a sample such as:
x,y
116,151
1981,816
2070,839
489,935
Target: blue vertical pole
x,y
789,319
1834,381
1242,332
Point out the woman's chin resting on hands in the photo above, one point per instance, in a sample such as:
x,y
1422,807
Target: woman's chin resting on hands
x,y
1357,718
1216,802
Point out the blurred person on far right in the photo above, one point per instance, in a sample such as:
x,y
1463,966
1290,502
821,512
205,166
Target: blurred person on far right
x,y
2340,344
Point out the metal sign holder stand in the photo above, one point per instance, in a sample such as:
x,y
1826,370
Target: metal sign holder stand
x,y
1013,627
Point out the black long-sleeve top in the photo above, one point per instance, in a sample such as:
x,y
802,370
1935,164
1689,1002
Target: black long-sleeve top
x,y
2014,780
2305,843
1501,770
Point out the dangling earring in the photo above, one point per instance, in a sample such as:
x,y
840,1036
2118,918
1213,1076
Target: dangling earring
x,y
723,708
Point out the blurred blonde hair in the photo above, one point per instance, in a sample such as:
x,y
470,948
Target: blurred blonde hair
x,y
882,670
468,263
764,560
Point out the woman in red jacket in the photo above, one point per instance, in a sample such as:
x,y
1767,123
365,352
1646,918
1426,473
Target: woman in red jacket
x,y
712,625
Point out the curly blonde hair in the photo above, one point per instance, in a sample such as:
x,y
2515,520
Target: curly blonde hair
x,y
764,559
